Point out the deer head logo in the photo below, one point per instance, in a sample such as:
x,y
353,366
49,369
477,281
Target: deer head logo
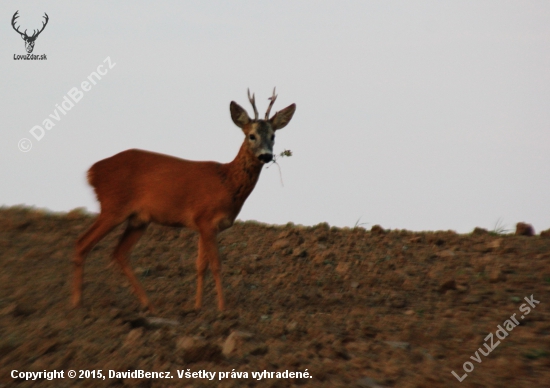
x,y
29,40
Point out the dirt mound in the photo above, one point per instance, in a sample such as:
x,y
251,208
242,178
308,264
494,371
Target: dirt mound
x,y
346,307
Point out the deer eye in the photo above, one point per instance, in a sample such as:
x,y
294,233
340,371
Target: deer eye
x,y
252,137
272,137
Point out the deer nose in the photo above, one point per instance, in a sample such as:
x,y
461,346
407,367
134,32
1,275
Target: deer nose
x,y
266,158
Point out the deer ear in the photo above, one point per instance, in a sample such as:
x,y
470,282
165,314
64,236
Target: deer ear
x,y
282,117
238,115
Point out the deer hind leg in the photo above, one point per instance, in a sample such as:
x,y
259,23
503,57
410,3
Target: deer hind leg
x,y
100,228
121,255
208,256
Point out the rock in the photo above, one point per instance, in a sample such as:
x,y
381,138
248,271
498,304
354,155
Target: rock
x,y
259,350
369,331
496,275
342,268
320,258
280,244
398,303
445,254
398,344
377,229
240,344
188,342
202,351
197,349
354,285
23,309
285,233
523,229
77,213
338,351
133,339
254,257
448,313
495,244
472,299
234,343
409,284
45,346
480,263
299,252
446,285
114,313
396,300
292,326
249,268
140,271
479,231
436,271
367,382
153,322
322,226
9,309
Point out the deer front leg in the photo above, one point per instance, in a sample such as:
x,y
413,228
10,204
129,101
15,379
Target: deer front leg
x,y
101,227
208,256
121,255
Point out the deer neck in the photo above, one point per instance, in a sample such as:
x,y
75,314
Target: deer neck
x,y
243,173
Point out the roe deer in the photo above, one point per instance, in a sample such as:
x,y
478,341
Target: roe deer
x,y
143,187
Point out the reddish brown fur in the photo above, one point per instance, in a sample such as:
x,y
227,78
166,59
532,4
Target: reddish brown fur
x,y
155,195
144,187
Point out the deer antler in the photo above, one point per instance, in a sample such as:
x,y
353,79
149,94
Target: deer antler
x,y
253,102
272,98
13,20
35,34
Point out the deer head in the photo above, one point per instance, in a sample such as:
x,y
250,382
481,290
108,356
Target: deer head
x,y
260,134
29,40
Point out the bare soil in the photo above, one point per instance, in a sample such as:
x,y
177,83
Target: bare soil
x,y
355,308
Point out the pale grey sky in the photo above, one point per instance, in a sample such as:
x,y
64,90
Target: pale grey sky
x,y
418,115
